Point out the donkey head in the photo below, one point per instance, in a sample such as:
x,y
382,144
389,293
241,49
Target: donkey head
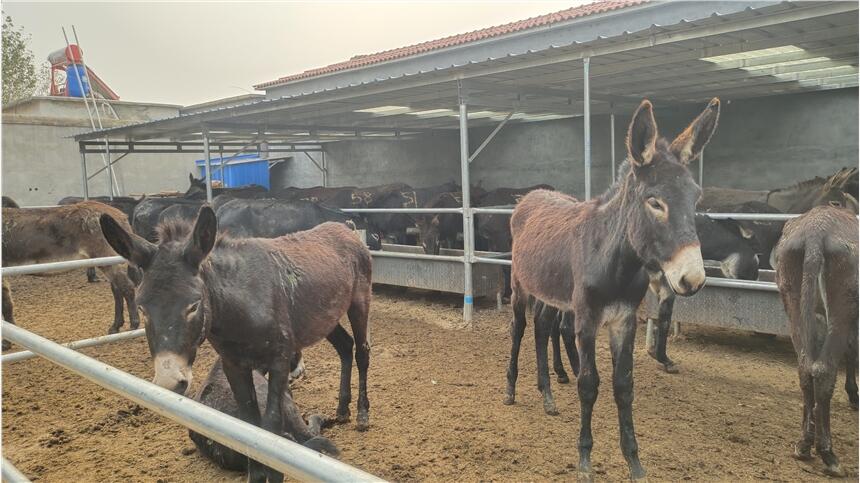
x,y
662,196
171,294
428,233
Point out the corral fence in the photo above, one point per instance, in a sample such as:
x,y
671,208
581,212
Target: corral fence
x,y
288,457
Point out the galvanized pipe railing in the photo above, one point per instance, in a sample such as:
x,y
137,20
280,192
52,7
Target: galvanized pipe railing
x,y
78,344
11,474
60,266
402,210
293,459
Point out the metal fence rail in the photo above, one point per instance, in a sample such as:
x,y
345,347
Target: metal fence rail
x,y
78,344
60,266
11,474
279,453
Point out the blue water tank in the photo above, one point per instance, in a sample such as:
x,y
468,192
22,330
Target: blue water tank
x,y
74,73
241,170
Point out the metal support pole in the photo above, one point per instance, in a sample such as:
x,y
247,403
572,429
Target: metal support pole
x,y
221,163
468,239
208,166
109,170
86,184
586,125
612,145
325,170
491,136
701,168
292,459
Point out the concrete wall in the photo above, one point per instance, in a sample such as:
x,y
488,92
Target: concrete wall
x,y
760,143
41,163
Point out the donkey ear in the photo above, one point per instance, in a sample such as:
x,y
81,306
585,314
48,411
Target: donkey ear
x,y
689,144
642,135
203,238
191,178
127,245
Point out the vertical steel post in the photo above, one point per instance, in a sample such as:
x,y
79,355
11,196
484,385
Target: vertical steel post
x,y
221,163
208,166
468,239
325,170
586,125
109,170
612,145
701,168
86,183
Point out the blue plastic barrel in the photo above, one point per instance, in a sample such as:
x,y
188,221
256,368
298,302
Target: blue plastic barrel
x,y
74,72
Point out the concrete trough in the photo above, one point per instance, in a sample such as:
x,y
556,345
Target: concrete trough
x,y
440,275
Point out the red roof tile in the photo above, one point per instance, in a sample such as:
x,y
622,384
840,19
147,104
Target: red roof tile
x,y
529,23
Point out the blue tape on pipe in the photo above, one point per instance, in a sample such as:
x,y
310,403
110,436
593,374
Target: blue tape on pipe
x,y
467,299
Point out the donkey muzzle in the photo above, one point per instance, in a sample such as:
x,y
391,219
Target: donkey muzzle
x,y
685,271
172,372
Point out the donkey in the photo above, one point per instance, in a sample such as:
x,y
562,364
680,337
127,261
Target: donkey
x,y
816,271
590,258
257,301
38,235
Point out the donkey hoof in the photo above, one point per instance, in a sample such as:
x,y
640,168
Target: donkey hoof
x,y
7,345
363,421
550,410
585,477
802,452
113,329
509,400
563,379
669,367
834,470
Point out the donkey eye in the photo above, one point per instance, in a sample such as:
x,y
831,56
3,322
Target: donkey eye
x,y
836,204
192,309
655,204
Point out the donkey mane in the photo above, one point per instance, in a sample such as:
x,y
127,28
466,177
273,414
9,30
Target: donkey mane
x,y
173,229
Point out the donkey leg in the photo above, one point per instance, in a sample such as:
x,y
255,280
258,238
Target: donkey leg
x,y
91,275
118,290
357,314
273,417
557,365
588,381
343,344
242,385
664,321
803,448
127,288
824,378
622,334
543,326
851,376
518,327
7,311
565,326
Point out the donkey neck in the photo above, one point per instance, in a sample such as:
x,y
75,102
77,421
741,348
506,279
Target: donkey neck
x,y
611,234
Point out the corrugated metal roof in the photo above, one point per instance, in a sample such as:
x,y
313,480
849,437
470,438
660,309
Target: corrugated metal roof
x,y
357,61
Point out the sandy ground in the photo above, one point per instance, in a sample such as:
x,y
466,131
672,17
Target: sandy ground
x,y
436,394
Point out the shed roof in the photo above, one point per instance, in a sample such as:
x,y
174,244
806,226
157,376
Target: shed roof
x,y
358,61
670,52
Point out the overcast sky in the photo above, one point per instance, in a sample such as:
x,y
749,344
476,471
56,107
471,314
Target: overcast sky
x,y
185,53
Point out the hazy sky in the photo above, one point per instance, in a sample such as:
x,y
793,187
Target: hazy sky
x,y
185,53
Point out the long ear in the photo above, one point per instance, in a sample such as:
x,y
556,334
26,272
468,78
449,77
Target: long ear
x,y
191,178
127,245
642,135
203,238
689,144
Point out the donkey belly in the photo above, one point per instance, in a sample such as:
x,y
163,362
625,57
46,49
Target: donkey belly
x,y
316,315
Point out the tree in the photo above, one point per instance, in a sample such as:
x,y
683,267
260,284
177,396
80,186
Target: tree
x,y
20,77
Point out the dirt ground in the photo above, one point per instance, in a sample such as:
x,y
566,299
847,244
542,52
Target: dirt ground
x,y
436,394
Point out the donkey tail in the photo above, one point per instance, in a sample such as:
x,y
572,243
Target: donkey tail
x,y
813,262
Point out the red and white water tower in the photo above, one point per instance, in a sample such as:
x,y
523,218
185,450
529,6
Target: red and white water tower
x,y
79,79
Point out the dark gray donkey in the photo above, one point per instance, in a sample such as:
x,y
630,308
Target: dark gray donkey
x,y
816,271
590,258
258,301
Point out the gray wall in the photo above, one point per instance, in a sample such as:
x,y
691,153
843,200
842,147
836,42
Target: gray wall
x,y
41,163
760,143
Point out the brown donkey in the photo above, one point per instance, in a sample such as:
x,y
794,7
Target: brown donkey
x,y
816,271
39,235
257,300
590,258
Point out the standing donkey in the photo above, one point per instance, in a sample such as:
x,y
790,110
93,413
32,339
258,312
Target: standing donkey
x,y
257,300
590,258
40,235
816,271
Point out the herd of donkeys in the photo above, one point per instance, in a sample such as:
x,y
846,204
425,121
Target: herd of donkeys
x,y
212,261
